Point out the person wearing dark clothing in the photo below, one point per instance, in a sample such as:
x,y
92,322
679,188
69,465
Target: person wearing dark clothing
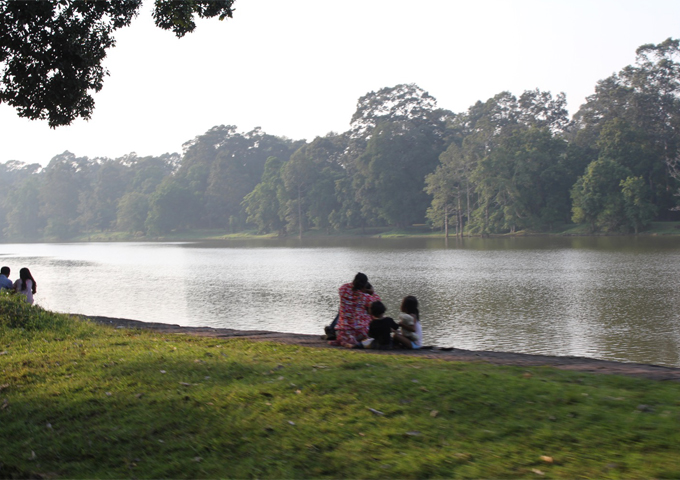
x,y
4,281
381,328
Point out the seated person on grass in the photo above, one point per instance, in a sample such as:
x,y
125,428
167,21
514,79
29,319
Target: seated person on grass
x,y
381,328
410,324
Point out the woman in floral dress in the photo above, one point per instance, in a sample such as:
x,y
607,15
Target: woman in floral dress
x,y
353,320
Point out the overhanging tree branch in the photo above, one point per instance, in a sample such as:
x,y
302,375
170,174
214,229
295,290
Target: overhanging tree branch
x,y
51,51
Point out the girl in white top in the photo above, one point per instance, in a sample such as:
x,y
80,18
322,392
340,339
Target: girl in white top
x,y
25,285
409,307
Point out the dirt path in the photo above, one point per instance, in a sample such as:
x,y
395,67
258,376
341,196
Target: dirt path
x,y
653,372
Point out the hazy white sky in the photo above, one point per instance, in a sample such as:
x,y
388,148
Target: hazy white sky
x,y
296,68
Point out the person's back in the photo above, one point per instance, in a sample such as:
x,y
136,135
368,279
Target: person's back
x,y
353,319
25,285
5,282
380,329
409,306
406,320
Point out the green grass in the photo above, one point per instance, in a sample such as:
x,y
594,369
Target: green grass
x,y
656,228
78,400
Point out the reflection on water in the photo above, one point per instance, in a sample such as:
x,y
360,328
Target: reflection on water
x,y
605,297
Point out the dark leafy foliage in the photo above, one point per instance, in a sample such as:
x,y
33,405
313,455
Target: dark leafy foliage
x,y
51,52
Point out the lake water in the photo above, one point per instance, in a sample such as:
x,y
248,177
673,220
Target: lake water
x,y
615,298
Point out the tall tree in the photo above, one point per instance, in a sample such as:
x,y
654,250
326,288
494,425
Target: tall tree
x,y
171,207
517,161
265,204
59,195
447,187
396,137
309,178
98,205
597,197
398,157
644,99
638,208
222,166
23,221
132,212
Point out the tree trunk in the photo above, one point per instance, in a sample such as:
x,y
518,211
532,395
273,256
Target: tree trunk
x,y
446,220
300,211
467,188
459,216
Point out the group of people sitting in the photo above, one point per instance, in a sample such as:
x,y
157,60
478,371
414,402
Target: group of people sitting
x,y
361,320
25,285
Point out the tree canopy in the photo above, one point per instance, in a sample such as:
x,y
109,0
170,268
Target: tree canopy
x,y
51,51
506,164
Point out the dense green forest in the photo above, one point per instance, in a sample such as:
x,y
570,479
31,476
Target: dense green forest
x,y
506,164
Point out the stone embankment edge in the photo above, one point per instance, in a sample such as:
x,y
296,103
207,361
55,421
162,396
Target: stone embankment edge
x,y
581,364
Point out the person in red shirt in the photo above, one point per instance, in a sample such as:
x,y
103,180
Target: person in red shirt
x,y
353,317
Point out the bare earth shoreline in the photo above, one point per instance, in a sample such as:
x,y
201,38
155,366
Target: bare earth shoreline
x,y
652,372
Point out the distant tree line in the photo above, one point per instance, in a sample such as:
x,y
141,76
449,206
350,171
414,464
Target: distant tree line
x,y
504,165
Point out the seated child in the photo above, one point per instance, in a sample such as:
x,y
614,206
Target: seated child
x,y
409,306
409,321
380,329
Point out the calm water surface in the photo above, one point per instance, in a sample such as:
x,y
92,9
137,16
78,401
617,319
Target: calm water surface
x,y
610,298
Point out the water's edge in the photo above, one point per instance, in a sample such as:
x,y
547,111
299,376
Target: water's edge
x,y
581,364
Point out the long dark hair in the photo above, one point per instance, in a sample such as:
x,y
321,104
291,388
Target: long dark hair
x,y
25,274
360,281
410,305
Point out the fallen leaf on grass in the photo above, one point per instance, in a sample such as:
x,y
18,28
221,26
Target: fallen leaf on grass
x,y
4,352
375,412
291,422
423,389
198,459
108,394
163,371
434,413
547,459
537,471
185,384
413,433
298,392
4,405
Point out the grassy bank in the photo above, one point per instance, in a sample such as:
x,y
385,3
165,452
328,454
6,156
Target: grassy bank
x,y
82,401
656,228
